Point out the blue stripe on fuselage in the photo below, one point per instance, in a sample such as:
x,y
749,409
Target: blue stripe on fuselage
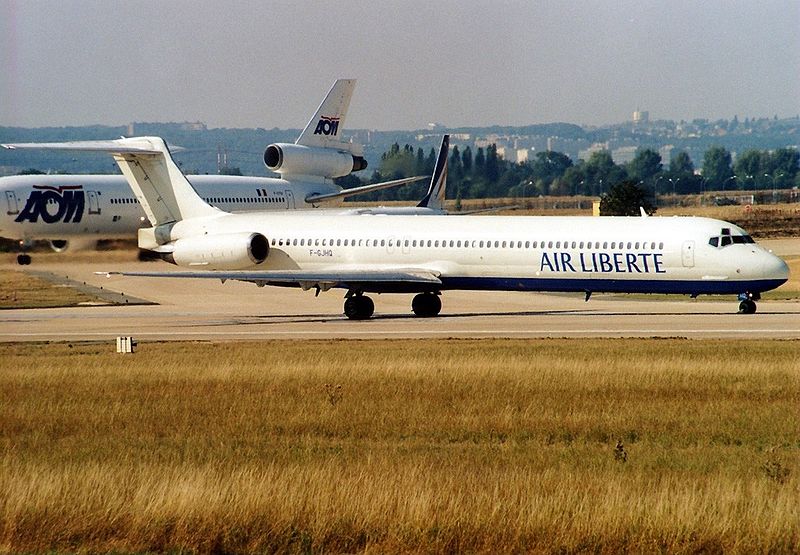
x,y
687,287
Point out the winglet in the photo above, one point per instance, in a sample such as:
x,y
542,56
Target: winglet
x,y
323,128
435,197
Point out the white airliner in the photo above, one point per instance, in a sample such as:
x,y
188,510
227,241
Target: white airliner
x,y
77,210
428,255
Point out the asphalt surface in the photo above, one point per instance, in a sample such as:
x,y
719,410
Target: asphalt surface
x,y
209,310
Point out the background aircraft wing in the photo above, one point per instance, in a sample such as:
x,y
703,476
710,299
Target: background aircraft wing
x,y
309,279
364,189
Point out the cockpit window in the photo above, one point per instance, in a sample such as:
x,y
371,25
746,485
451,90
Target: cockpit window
x,y
725,238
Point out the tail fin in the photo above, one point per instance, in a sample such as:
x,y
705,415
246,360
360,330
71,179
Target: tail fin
x,y
159,185
162,189
323,128
435,197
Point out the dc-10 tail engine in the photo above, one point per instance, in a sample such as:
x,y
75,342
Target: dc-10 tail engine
x,y
292,159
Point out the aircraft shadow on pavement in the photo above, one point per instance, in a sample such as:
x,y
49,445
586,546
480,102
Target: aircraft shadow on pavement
x,y
278,319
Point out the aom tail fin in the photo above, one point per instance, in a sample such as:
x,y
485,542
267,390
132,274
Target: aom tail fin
x,y
435,197
159,185
324,127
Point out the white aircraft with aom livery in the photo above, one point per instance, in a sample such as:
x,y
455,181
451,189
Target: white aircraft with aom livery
x,y
77,210
432,254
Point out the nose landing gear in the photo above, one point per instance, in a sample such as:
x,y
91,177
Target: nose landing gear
x,y
747,306
748,303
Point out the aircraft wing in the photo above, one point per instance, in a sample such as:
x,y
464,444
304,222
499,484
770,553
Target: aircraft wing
x,y
309,279
364,189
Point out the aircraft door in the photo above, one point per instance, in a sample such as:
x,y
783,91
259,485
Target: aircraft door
x,y
13,205
289,199
406,242
94,202
688,254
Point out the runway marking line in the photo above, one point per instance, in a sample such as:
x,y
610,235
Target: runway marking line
x,y
440,332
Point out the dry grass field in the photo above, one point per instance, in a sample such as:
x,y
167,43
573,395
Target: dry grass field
x,y
22,290
560,446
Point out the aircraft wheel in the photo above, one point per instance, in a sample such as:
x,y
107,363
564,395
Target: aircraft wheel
x,y
426,305
747,306
23,259
359,307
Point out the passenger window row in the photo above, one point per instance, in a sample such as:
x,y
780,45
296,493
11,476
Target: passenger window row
x,y
251,200
474,243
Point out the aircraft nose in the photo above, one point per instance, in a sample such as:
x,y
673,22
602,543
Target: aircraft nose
x,y
774,267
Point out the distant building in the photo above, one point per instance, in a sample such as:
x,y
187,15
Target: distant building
x,y
507,154
624,154
666,153
513,155
641,116
587,153
134,127
193,126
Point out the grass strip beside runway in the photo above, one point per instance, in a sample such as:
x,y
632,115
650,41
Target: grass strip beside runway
x,y
398,446
19,289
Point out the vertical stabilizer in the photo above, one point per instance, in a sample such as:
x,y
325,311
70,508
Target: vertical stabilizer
x,y
435,197
159,185
325,127
163,191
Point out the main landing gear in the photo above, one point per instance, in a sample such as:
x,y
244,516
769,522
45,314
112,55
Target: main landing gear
x,y
426,305
23,258
358,306
748,303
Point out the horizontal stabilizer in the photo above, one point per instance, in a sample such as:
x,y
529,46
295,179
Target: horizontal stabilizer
x,y
86,146
364,189
159,185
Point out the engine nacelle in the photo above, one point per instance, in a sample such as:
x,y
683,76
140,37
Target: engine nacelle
x,y
306,160
59,245
74,244
231,251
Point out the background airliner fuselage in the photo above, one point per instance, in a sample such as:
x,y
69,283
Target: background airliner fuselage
x,y
104,207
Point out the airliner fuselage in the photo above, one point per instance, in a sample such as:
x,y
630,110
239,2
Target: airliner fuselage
x,y
608,254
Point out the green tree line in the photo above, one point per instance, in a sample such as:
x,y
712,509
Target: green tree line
x,y
484,174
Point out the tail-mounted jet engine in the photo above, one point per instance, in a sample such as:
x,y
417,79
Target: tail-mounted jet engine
x,y
291,159
231,251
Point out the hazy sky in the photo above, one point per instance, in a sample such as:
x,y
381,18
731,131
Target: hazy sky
x,y
468,62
